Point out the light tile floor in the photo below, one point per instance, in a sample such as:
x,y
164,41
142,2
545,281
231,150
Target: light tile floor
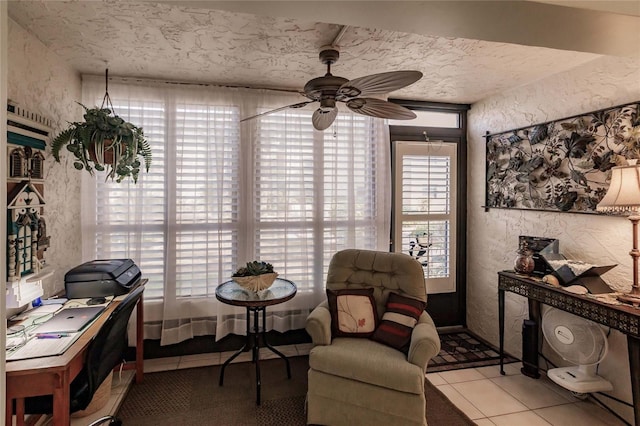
x,y
488,398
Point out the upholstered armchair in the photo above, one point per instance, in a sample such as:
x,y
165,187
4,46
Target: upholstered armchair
x,y
360,381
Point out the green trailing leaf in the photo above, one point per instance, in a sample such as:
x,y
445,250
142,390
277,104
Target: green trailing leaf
x,y
61,140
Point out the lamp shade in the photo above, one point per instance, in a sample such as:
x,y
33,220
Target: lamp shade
x,y
624,191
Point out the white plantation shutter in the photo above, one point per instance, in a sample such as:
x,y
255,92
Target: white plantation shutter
x,y
354,193
220,193
315,192
124,208
284,200
425,206
206,197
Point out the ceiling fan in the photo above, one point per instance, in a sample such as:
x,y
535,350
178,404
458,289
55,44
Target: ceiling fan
x,y
329,89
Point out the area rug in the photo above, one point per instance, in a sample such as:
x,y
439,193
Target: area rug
x,y
193,397
463,349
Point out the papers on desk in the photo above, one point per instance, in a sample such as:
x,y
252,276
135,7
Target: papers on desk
x,y
37,312
34,347
31,319
37,348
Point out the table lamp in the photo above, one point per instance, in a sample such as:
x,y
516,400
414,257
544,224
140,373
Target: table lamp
x,y
623,196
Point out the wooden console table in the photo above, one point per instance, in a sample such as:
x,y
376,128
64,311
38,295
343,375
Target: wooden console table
x,y
623,318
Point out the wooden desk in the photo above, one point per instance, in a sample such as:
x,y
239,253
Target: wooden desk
x,y
53,375
623,318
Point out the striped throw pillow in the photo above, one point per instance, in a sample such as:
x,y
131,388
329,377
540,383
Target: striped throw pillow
x,y
400,317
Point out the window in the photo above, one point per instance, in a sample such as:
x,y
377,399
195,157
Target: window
x,y
16,163
220,193
448,120
37,161
315,193
130,219
425,209
187,222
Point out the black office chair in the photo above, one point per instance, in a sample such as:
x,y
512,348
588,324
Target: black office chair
x,y
104,353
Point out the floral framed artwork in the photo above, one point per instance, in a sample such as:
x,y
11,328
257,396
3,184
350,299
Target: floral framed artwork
x,y
563,165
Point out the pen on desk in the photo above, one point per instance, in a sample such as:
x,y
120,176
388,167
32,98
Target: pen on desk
x,y
52,336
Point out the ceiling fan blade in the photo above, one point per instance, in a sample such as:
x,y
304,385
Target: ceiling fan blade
x,y
378,84
298,105
323,118
381,109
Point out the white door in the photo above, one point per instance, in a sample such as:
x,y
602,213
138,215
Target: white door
x,y
425,209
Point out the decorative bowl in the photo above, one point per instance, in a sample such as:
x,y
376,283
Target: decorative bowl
x,y
256,282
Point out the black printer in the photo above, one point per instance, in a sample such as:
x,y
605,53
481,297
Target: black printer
x,y
101,278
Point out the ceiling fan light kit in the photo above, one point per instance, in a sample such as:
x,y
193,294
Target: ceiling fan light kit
x,y
330,89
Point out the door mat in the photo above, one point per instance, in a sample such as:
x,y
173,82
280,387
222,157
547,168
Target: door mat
x,y
463,349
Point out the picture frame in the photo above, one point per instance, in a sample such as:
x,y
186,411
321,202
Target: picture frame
x,y
563,165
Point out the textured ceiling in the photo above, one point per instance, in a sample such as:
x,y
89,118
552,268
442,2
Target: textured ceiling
x,y
623,7
173,42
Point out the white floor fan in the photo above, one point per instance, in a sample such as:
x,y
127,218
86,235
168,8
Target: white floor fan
x,y
581,342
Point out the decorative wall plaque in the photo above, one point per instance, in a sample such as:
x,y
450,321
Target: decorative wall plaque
x,y
27,239
563,165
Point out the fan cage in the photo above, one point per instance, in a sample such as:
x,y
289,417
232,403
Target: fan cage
x,y
587,343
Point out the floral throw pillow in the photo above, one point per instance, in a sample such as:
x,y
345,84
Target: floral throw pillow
x,y
397,323
353,312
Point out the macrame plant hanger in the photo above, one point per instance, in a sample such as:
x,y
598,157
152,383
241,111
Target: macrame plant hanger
x,y
106,100
99,147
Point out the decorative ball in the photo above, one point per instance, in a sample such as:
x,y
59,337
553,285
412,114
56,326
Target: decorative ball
x,y
551,280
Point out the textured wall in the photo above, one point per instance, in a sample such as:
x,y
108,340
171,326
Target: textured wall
x,y
40,82
493,236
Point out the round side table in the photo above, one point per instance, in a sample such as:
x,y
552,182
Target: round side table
x,y
231,293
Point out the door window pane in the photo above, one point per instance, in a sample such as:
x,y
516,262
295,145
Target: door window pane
x,y
425,209
448,120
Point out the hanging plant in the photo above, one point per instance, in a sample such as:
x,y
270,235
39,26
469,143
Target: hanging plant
x,y
104,141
